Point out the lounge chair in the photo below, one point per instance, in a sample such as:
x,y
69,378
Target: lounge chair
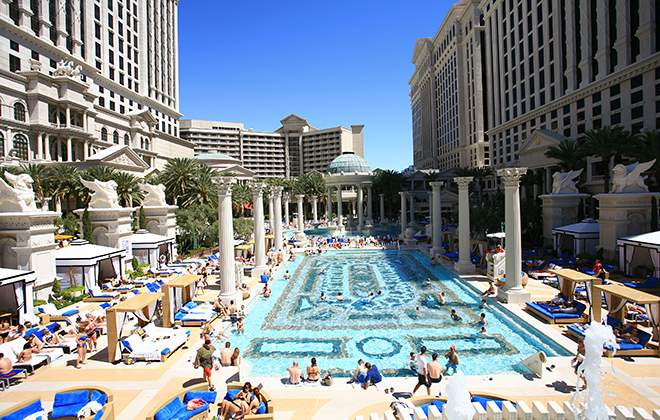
x,y
13,375
156,345
194,315
30,409
66,345
648,283
13,349
544,311
174,405
69,403
49,312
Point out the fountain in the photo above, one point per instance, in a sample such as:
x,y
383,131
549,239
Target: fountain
x,y
595,337
459,404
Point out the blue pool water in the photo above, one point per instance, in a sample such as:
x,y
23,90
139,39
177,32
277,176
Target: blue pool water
x,y
294,324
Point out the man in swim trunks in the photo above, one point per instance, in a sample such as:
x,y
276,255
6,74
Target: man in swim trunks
x,y
435,370
422,371
225,355
204,358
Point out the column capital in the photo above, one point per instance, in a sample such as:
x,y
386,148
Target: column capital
x,y
286,197
403,193
314,197
436,184
511,176
367,184
381,195
300,197
276,190
463,181
257,189
225,186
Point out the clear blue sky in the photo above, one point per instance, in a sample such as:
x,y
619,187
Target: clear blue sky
x,y
335,63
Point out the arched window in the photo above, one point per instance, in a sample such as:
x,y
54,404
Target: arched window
x,y
20,147
2,145
104,134
115,137
147,144
127,140
19,111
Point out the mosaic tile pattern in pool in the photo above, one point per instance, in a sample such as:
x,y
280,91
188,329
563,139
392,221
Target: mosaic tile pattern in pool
x,y
295,324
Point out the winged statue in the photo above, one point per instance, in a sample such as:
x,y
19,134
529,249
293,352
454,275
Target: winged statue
x,y
18,196
103,195
564,182
629,178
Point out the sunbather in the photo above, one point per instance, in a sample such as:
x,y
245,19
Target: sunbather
x,y
26,354
569,308
5,364
295,375
240,406
313,371
35,344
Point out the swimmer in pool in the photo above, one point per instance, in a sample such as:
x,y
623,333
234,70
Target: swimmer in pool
x,y
340,297
322,298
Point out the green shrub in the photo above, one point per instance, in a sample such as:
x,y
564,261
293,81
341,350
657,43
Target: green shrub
x,y
57,287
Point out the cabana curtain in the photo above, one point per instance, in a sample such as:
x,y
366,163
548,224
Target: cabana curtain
x,y
614,303
116,264
653,312
20,297
655,257
121,319
151,311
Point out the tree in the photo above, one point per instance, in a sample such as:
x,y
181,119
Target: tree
x,y
608,143
241,197
389,183
128,189
180,179
63,183
647,147
567,155
87,227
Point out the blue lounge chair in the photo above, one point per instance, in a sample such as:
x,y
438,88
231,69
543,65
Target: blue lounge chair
x,y
648,283
176,408
544,311
26,410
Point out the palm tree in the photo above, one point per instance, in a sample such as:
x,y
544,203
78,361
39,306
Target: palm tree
x,y
610,144
101,173
205,190
128,189
389,183
63,183
241,195
39,175
647,147
567,155
179,178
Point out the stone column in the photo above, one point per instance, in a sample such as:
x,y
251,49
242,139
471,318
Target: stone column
x,y
464,264
512,291
647,27
328,206
623,35
340,222
404,213
271,212
286,198
301,213
69,149
40,146
436,217
315,214
47,147
228,290
277,214
381,197
411,195
370,205
259,230
360,206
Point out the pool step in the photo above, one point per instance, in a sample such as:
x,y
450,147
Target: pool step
x,y
539,410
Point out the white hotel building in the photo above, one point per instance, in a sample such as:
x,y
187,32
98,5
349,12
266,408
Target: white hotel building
x,y
90,82
552,69
294,149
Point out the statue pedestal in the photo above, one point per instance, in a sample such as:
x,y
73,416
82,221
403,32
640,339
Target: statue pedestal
x,y
161,220
559,210
464,267
111,227
515,296
622,214
27,242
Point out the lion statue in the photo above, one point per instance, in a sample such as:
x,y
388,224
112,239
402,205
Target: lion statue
x,y
629,178
154,195
18,196
564,182
103,195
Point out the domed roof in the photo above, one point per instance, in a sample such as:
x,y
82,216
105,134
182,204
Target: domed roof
x,y
348,162
216,157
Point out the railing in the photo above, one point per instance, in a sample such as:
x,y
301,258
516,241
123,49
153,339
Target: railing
x,y
551,410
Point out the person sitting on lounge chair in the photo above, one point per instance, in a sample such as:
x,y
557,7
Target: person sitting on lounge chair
x,y
569,308
558,300
5,364
26,354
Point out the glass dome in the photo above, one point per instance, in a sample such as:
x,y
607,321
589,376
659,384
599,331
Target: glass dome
x,y
348,162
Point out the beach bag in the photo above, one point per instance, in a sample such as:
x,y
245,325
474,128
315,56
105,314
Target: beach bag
x,y
194,404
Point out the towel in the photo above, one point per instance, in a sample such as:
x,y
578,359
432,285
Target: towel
x,y
195,403
39,415
90,408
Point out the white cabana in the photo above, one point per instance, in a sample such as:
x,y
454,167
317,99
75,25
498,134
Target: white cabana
x,y
639,251
16,293
577,238
82,263
152,249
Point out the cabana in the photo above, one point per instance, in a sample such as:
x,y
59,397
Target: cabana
x,y
577,238
639,251
16,294
176,295
617,296
152,249
568,280
86,264
143,306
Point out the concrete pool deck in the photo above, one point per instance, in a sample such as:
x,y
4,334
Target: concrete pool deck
x,y
138,388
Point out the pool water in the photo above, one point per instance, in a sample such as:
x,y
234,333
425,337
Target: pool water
x,y
295,324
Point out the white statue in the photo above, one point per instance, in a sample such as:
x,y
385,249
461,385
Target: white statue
x,y
564,182
68,69
629,179
20,197
154,195
104,194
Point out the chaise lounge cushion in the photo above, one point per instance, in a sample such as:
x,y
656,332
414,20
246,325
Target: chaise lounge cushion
x,y
24,412
99,397
68,404
208,396
170,410
544,308
231,394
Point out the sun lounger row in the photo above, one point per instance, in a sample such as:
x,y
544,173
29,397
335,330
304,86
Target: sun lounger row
x,y
648,283
13,349
626,347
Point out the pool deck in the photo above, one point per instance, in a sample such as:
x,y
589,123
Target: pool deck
x,y
138,388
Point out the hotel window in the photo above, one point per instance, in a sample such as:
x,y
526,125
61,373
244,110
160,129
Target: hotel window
x,y
104,135
20,146
127,140
115,137
19,112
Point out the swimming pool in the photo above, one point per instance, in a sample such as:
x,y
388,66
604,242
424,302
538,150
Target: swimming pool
x,y
294,324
